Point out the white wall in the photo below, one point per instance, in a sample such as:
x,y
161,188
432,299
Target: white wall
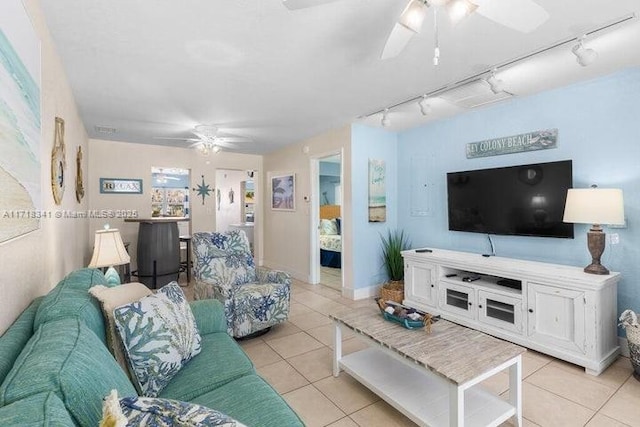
x,y
112,159
287,235
229,213
32,264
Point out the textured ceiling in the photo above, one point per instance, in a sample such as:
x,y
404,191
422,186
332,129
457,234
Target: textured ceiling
x,y
157,68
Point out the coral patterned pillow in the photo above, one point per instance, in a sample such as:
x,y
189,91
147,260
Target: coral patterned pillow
x,y
159,335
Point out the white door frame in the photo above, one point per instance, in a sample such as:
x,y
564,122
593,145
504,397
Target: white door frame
x,y
314,218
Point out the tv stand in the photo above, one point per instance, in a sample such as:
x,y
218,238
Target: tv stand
x,y
554,309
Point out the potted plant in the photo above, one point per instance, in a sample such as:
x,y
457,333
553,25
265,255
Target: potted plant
x,y
392,245
629,321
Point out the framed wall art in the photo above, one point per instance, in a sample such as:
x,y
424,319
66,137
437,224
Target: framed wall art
x,y
120,186
377,191
283,192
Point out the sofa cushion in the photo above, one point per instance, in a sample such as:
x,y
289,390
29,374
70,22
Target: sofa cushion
x,y
209,315
64,356
16,337
159,336
220,361
251,401
110,298
154,411
42,409
70,298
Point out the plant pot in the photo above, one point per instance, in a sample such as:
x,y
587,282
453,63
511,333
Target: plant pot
x,y
633,340
393,290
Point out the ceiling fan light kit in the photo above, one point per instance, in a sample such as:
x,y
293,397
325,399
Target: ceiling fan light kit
x,y
413,15
460,9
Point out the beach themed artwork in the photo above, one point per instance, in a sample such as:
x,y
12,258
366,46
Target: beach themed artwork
x,y
283,191
377,191
20,176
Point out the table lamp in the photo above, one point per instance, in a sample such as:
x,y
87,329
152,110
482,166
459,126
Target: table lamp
x,y
595,206
109,250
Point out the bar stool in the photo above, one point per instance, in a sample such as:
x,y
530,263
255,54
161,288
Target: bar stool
x,y
185,266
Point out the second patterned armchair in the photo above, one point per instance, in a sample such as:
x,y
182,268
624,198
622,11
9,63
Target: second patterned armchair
x,y
254,298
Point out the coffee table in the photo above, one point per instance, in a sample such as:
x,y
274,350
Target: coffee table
x,y
431,378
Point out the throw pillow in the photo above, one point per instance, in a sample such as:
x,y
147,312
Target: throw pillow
x,y
159,335
328,226
110,298
149,411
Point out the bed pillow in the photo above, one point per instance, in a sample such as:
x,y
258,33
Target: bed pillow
x,y
328,226
110,298
149,411
159,336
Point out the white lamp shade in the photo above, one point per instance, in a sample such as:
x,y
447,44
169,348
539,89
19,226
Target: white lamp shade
x,y
108,249
413,15
594,206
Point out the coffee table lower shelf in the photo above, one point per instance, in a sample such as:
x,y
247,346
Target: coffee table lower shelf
x,y
421,395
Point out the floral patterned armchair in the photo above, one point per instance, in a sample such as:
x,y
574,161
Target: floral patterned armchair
x,y
254,298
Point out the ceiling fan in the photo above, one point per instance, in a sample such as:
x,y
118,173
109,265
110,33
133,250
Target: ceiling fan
x,y
208,139
519,15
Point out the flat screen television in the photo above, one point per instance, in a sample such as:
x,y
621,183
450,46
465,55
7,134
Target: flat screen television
x,y
526,200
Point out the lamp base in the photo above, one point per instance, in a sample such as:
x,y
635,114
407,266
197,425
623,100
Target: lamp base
x,y
596,243
112,276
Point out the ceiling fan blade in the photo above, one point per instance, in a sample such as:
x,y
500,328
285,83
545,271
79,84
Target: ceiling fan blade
x,y
396,42
519,15
176,139
301,4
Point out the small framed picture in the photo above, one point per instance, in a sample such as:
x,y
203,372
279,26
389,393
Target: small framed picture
x,y
283,192
120,186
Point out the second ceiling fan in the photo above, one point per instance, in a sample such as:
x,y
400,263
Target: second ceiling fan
x,y
520,15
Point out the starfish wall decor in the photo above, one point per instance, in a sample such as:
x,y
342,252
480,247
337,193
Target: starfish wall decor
x,y
203,190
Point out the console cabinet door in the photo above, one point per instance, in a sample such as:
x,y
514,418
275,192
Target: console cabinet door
x,y
420,282
499,310
458,299
556,316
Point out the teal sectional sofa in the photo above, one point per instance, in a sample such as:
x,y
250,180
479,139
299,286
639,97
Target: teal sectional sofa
x,y
55,368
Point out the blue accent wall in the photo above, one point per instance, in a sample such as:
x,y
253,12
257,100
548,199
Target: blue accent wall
x,y
599,129
371,143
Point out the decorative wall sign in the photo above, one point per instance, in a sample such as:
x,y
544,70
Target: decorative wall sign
x,y
120,186
377,191
531,141
20,171
203,189
58,162
283,192
79,179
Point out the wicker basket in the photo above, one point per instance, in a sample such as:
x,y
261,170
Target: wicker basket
x,y
392,291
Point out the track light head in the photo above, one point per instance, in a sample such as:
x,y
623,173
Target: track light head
x,y
425,107
496,85
584,56
385,122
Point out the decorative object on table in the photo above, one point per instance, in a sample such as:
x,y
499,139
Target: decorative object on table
x,y
20,168
79,179
109,250
392,246
629,321
377,191
530,141
595,206
203,190
283,192
120,186
58,162
408,317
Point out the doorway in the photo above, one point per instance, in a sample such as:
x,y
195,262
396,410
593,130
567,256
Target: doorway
x,y
235,201
328,217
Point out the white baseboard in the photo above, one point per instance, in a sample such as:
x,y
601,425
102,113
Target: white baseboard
x,y
624,348
361,293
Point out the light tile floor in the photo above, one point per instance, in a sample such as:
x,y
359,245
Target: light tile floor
x,y
296,359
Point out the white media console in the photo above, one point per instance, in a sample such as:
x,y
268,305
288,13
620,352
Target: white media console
x,y
554,309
